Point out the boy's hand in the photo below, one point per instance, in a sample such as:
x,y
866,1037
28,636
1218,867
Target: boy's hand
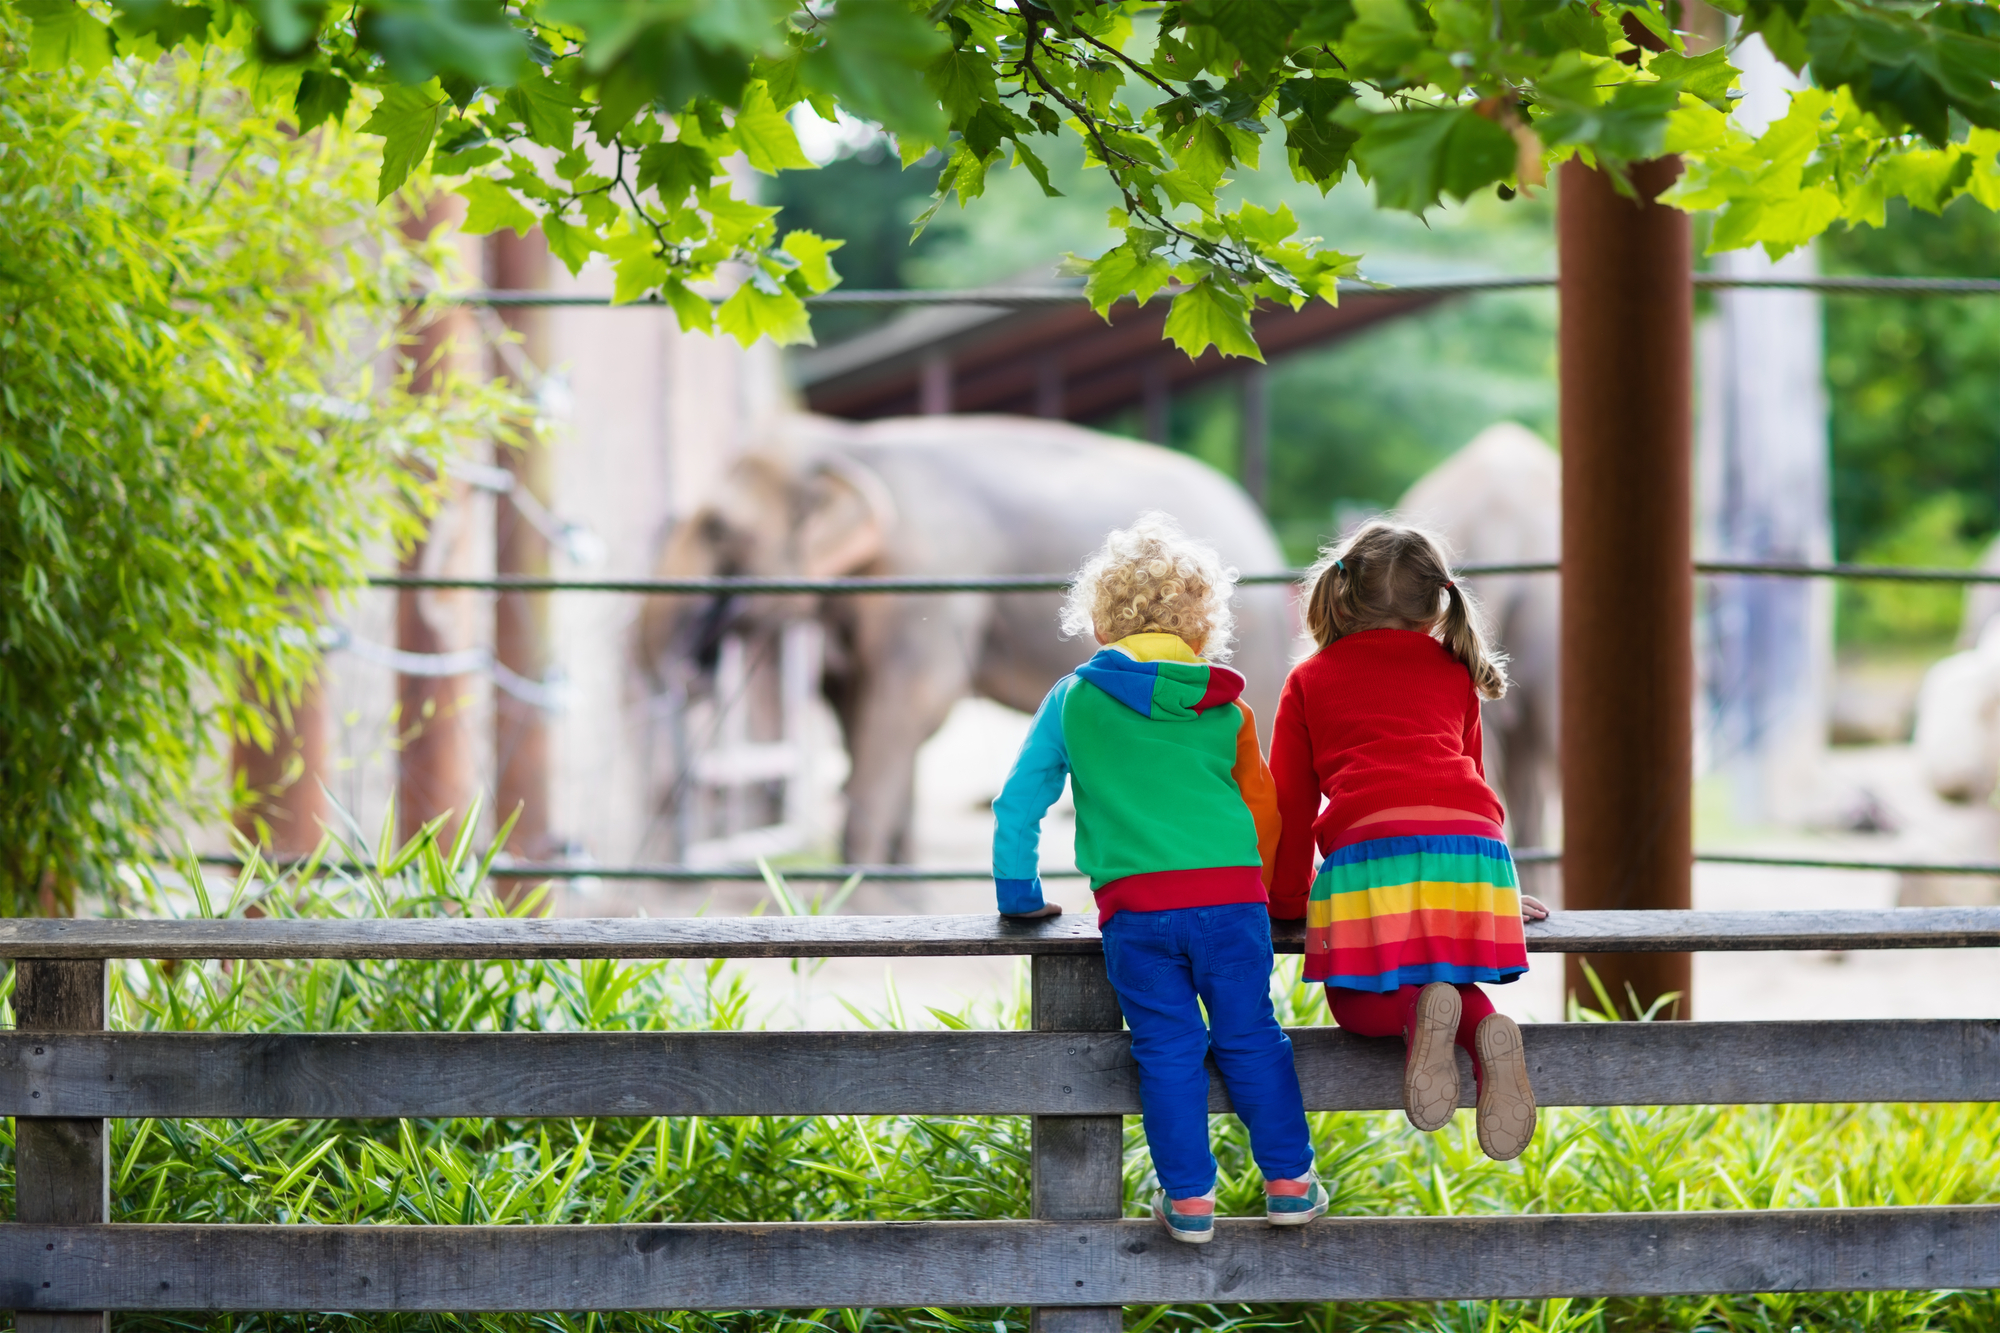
x,y
1534,909
1046,909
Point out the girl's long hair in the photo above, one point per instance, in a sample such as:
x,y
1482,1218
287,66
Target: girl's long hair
x,y
1388,573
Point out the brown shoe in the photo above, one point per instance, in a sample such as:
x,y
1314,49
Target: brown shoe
x,y
1430,1074
1506,1116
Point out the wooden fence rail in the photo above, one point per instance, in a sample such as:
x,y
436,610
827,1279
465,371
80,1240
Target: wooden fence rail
x,y
928,936
62,1266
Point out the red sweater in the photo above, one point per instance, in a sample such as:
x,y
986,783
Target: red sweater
x,y
1372,721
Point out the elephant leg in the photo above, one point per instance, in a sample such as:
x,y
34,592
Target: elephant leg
x,y
894,714
1528,780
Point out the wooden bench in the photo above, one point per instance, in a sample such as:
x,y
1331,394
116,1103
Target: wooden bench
x,y
1074,1261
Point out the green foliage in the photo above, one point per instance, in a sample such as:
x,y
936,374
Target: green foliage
x,y
191,448
1932,533
641,101
782,1168
1913,388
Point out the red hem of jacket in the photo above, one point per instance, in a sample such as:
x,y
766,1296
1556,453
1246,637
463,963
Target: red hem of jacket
x,y
1166,890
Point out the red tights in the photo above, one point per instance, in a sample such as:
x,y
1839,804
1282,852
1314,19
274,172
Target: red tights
x,y
1389,1014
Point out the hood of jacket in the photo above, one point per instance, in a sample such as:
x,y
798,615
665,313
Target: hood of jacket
x,y
1163,682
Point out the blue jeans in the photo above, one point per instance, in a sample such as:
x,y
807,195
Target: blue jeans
x,y
1165,966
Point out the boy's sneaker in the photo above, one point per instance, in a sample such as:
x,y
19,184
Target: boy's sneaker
x,y
1191,1221
1293,1203
1430,1073
1506,1116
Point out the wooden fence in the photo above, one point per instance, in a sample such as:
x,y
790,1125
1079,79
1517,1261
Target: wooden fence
x,y
1074,1261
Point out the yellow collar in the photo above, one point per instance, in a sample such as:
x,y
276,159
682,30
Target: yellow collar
x,y
1154,646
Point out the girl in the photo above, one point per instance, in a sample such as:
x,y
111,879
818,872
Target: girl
x,y
1416,900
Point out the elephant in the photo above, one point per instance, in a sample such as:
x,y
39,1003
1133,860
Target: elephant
x,y
1498,500
942,496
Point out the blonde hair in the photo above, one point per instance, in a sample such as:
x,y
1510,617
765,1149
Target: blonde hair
x,y
1152,577
1388,574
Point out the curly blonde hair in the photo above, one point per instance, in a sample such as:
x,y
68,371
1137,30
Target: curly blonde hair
x,y
1152,577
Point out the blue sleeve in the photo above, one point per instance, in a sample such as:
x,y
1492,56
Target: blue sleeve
x,y
1032,786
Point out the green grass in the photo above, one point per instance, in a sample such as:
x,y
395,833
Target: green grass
x,y
763,1168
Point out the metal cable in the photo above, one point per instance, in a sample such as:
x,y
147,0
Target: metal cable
x,y
754,586
694,874
1021,298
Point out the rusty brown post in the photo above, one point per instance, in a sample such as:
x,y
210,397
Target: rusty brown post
x,y
435,770
288,807
521,620
1626,351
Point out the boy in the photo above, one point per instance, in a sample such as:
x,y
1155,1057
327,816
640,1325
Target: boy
x,y
1176,825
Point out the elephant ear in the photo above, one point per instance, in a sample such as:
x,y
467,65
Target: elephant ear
x,y
846,516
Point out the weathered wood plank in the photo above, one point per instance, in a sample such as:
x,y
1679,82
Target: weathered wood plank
x,y
1053,1074
916,936
886,1265
1076,1162
62,1173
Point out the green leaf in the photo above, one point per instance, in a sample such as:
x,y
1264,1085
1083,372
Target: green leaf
x,y
286,27
1203,151
1630,127
1133,268
1781,33
766,136
752,313
734,221
490,206
1209,313
1026,157
569,242
1264,226
64,35
637,276
1709,76
1325,21
675,168
1384,37
546,107
469,42
1415,156
872,57
813,252
693,310
166,23
322,97
1259,29
406,118
963,81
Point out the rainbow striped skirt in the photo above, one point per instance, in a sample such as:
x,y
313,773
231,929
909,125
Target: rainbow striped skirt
x,y
1406,903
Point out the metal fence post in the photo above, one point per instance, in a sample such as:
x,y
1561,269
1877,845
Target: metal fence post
x,y
1078,1170
62,1173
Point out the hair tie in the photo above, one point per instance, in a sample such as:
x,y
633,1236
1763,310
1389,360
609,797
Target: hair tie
x,y
1340,565
1449,584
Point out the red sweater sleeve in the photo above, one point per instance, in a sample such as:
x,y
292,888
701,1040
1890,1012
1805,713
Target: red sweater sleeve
x,y
1298,805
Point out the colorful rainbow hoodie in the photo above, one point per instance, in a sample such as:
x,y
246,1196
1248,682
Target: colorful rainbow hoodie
x,y
1174,804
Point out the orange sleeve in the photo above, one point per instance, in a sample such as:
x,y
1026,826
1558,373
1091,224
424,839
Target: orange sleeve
x,y
1253,779
1298,805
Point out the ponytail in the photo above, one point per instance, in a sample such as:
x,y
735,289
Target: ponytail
x,y
1465,642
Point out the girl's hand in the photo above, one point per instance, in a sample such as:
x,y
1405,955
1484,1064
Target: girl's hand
x,y
1533,909
1055,909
